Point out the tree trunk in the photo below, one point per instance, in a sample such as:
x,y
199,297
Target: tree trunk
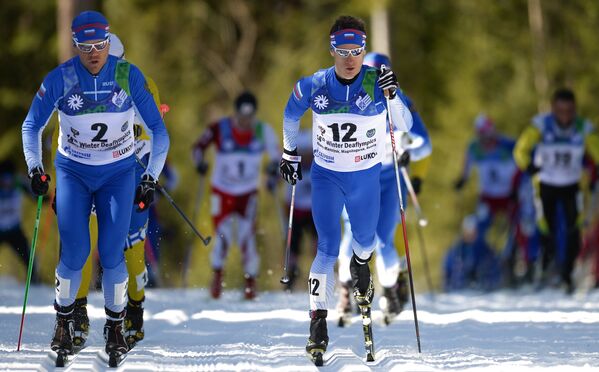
x,y
379,24
66,11
535,21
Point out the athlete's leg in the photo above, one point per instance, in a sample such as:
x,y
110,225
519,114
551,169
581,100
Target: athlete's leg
x,y
222,217
362,201
345,249
113,207
327,203
549,203
73,206
570,201
246,233
387,259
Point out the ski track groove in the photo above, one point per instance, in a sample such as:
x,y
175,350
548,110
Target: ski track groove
x,y
186,330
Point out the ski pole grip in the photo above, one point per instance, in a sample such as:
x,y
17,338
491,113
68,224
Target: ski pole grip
x,y
141,205
44,178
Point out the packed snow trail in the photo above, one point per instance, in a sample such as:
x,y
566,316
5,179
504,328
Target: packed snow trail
x,y
185,330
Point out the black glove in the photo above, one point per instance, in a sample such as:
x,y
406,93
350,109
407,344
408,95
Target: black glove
x,y
39,181
388,81
532,169
459,184
290,166
404,159
417,184
202,168
144,194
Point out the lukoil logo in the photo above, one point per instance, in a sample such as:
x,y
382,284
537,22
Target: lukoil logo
x,y
370,155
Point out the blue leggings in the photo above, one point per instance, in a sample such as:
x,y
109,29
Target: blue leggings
x,y
387,259
111,188
360,193
139,220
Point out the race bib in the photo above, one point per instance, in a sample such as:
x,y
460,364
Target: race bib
x,y
348,142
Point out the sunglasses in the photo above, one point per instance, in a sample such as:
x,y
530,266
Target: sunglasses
x,y
344,53
87,47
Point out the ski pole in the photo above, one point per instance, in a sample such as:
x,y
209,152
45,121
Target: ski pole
x,y
30,267
285,279
403,218
422,222
205,240
189,250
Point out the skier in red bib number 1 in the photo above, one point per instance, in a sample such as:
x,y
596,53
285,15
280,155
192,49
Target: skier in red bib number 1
x,y
349,114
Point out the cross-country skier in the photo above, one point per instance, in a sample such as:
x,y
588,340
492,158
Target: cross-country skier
x,y
349,113
560,139
96,96
12,187
134,245
391,270
498,176
240,141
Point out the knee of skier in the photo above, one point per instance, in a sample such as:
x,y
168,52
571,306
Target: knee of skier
x,y
363,248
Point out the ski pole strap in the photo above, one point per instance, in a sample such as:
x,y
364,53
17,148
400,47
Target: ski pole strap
x,y
292,158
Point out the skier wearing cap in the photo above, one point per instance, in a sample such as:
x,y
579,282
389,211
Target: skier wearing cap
x,y
96,96
391,269
349,113
498,175
134,245
240,142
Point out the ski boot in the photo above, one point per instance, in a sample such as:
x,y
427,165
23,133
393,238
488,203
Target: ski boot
x,y
63,329
392,306
402,289
134,322
62,342
344,307
361,281
319,337
216,287
249,292
114,335
81,323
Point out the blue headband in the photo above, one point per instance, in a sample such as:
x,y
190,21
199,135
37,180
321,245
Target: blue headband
x,y
348,36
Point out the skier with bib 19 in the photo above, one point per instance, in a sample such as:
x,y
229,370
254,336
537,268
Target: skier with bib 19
x,y
349,113
96,96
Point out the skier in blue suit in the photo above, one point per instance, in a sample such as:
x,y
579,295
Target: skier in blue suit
x,y
96,96
391,269
349,113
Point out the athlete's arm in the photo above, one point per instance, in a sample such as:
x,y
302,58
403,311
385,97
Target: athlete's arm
x,y
524,146
591,145
298,103
210,135
419,130
398,111
144,102
40,111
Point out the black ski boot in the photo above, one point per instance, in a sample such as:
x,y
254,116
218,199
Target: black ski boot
x,y
81,323
393,306
319,336
344,305
62,342
114,334
402,289
134,322
361,281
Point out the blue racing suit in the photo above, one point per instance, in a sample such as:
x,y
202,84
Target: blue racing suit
x,y
348,136
95,164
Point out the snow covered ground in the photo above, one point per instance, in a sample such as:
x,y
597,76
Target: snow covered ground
x,y
185,330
